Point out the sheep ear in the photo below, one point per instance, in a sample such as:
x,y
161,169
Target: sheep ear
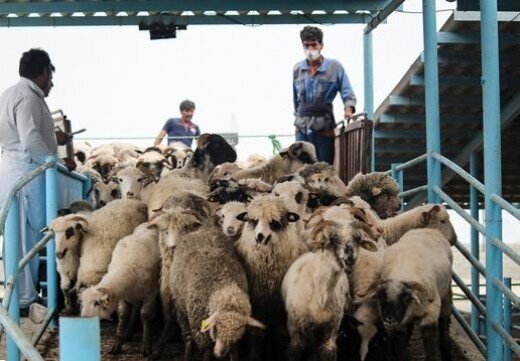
x,y
376,191
255,323
370,292
292,217
105,298
369,246
154,220
427,215
242,216
417,291
208,323
298,197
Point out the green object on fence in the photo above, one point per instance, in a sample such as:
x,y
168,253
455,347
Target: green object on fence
x,y
276,144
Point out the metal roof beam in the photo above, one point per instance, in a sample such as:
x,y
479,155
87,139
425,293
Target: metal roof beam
x,y
408,118
188,5
446,37
508,114
382,15
400,100
183,20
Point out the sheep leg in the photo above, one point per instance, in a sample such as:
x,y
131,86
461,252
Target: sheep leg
x,y
147,312
207,356
123,313
444,329
329,349
69,302
167,329
130,329
430,337
256,340
233,353
399,342
188,348
296,349
367,333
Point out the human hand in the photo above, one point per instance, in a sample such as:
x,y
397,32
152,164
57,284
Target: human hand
x,y
69,163
348,113
61,137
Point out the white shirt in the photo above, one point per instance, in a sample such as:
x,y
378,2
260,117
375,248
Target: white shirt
x,y
26,124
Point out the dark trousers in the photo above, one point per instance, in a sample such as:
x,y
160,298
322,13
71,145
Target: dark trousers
x,y
324,144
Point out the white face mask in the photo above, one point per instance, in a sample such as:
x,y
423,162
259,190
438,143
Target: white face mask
x,y
312,55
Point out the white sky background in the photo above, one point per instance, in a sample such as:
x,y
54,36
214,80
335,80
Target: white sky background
x,y
116,82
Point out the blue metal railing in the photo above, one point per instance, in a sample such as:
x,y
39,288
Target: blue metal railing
x,y
494,285
10,229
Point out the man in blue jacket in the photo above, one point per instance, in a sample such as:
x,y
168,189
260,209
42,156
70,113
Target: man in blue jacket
x,y
180,129
316,81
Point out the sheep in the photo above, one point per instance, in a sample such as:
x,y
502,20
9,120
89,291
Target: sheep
x,y
124,151
68,231
294,195
415,286
82,151
178,215
224,171
131,279
178,155
315,290
427,216
131,182
269,244
105,192
379,189
106,227
103,163
227,190
80,206
288,161
226,218
213,296
212,150
152,161
254,160
322,177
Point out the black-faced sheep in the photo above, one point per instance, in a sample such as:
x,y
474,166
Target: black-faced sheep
x,y
379,189
415,286
268,246
131,279
213,296
152,161
287,162
105,192
103,163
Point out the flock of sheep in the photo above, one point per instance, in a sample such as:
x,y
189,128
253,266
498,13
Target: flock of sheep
x,y
278,250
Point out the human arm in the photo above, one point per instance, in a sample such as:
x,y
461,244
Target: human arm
x,y
28,116
347,93
159,137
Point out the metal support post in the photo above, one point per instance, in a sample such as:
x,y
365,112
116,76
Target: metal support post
x,y
475,277
431,72
87,187
12,246
51,200
79,339
398,176
508,322
369,89
492,172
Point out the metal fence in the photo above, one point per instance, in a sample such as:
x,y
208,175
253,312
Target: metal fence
x,y
61,187
499,296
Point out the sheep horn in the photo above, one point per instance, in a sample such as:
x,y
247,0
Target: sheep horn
x,y
79,218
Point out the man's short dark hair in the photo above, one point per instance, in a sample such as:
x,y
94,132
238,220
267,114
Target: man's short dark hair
x,y
311,33
34,62
187,105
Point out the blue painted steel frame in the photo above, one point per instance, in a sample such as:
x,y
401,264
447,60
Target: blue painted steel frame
x,y
492,170
475,277
369,89
433,135
12,242
51,196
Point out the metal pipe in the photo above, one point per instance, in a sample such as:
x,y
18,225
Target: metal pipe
x,y
382,15
475,262
412,162
507,292
479,227
515,212
474,300
507,338
51,198
12,245
15,333
398,176
74,175
87,185
508,322
46,323
431,76
492,170
507,250
475,252
467,328
19,185
411,192
461,172
368,69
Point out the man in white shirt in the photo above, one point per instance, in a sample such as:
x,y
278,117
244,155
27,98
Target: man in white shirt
x,y
27,136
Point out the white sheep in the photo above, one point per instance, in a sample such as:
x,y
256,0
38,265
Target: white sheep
x,y
268,246
152,161
415,286
315,289
322,177
224,171
131,279
131,182
106,227
103,162
428,216
105,192
226,218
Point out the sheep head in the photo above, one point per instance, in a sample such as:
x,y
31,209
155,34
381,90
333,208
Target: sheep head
x,y
174,225
105,192
226,218
299,154
267,218
68,233
214,148
131,182
226,328
294,195
97,301
437,217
